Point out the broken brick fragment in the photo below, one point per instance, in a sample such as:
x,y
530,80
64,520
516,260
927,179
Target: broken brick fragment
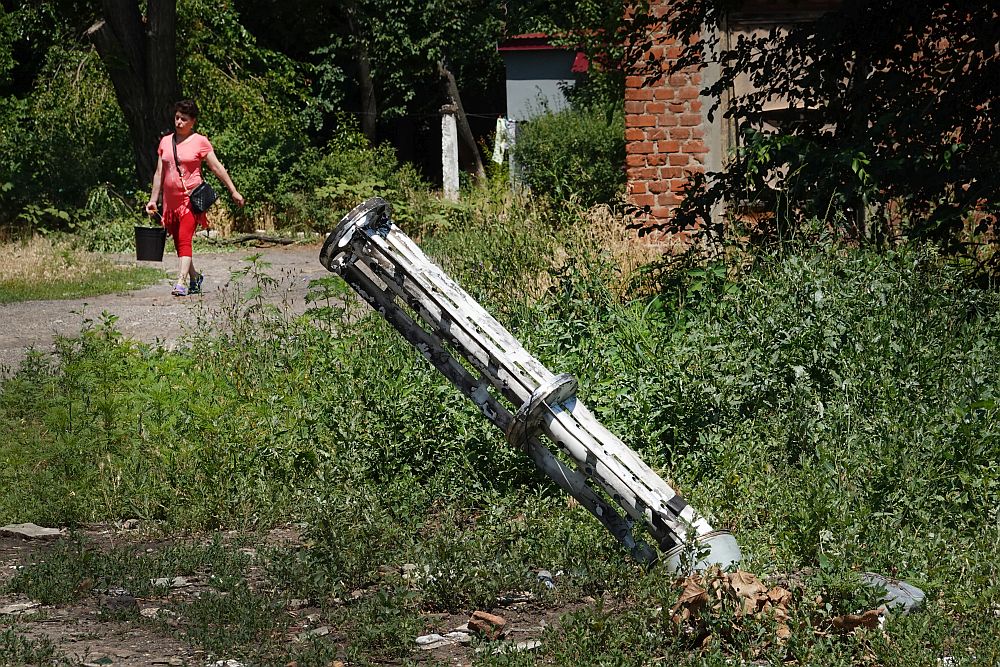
x,y
489,625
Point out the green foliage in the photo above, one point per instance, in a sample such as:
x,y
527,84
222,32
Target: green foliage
x,y
600,29
106,223
268,115
323,185
836,410
73,567
787,382
813,180
598,88
403,42
19,650
496,240
41,218
67,130
408,40
327,94
7,36
251,99
574,155
240,620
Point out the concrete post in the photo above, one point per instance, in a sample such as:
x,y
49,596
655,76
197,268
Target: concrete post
x,y
449,152
514,170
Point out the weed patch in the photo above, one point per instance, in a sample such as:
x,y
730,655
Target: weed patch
x,y
39,269
837,411
15,649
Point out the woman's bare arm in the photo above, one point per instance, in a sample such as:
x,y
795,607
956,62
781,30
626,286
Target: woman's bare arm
x,y
155,193
216,166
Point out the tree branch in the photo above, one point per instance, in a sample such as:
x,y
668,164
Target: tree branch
x,y
464,131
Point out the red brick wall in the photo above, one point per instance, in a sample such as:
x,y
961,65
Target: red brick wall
x,y
665,132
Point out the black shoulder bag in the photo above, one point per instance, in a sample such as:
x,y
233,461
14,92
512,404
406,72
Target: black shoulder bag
x,y
203,196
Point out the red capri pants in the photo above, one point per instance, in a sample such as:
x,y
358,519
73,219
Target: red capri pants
x,y
181,224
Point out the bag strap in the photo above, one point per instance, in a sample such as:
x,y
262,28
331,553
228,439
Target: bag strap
x,y
177,165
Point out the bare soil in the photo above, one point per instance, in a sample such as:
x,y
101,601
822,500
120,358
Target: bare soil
x,y
91,631
77,630
151,314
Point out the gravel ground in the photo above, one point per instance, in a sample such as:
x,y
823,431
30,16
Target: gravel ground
x,y
151,314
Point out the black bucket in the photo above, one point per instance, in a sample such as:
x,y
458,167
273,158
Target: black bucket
x,y
149,242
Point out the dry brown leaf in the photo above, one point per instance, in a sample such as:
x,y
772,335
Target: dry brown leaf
x,y
692,599
747,589
693,595
745,584
850,622
753,597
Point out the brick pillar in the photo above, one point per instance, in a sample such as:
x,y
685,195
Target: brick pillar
x,y
665,130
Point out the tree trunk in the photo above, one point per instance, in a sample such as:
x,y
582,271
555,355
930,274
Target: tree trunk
x,y
464,131
369,107
161,67
142,64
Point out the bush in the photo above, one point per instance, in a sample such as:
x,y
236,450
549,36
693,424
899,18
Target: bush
x,y
574,155
68,130
325,183
814,404
107,222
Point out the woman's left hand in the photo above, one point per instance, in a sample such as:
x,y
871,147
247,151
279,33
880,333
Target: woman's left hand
x,y
238,198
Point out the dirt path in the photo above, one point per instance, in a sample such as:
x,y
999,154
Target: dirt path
x,y
151,314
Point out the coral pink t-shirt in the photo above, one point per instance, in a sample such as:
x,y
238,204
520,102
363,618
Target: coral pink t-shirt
x,y
191,152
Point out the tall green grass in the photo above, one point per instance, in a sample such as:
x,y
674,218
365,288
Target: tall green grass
x,y
837,410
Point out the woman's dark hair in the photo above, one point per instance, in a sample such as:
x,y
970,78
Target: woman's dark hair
x,y
187,107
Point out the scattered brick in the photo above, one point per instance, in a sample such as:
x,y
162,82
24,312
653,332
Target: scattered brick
x,y
488,625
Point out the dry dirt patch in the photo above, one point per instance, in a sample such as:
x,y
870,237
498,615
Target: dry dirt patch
x,y
92,630
151,314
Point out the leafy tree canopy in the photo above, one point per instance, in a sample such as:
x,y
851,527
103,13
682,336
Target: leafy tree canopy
x,y
65,129
278,82
404,41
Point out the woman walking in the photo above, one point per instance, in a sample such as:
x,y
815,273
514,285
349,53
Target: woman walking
x,y
178,171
